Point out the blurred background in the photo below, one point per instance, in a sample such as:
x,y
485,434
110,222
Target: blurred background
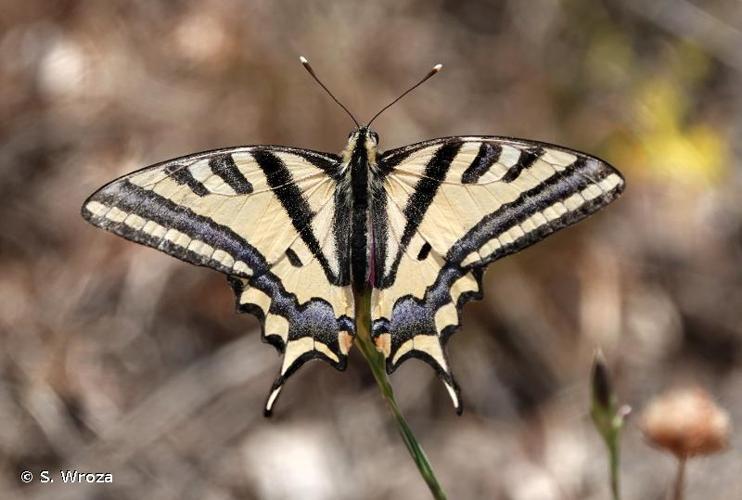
x,y
115,358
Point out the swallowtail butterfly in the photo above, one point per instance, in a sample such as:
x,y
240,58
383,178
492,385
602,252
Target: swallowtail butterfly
x,y
298,231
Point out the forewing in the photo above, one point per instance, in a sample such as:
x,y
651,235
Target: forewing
x,y
449,207
266,217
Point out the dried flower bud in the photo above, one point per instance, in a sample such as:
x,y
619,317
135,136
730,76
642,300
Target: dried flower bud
x,y
607,416
686,422
601,383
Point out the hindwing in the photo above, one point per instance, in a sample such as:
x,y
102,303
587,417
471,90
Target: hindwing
x,y
444,209
267,217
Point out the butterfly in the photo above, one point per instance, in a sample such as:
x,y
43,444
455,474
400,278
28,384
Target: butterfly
x,y
301,233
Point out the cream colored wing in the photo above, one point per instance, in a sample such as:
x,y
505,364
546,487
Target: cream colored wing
x,y
266,217
452,206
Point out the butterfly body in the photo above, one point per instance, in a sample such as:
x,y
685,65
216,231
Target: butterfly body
x,y
361,156
297,232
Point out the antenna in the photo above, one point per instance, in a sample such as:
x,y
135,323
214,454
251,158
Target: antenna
x,y
432,72
306,65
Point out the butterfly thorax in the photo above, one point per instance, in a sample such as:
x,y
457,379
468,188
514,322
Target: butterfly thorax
x,y
359,157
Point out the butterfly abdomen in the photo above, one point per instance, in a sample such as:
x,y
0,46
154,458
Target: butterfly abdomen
x,y
359,229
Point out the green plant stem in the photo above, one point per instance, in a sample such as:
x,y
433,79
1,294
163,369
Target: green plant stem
x,y
376,361
608,418
615,455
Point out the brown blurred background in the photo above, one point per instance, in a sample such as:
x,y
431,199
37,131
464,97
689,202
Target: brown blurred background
x,y
116,358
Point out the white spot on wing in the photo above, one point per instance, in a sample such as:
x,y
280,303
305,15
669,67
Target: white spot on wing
x,y
539,219
509,156
294,349
591,192
135,222
277,325
97,209
272,398
574,202
241,267
201,248
223,258
466,283
256,297
322,347
515,232
431,345
183,240
116,215
490,247
528,225
505,239
154,229
201,170
446,316
148,178
558,159
172,234
610,182
403,349
452,393
559,208
177,238
470,259
550,213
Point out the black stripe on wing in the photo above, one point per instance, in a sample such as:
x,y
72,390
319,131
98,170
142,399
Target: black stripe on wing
x,y
416,207
288,193
582,174
153,208
225,167
183,176
486,157
426,188
525,160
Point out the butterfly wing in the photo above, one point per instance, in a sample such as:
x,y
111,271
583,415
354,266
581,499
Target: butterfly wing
x,y
266,217
446,209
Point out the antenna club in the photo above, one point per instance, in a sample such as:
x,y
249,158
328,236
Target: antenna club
x,y
308,67
430,74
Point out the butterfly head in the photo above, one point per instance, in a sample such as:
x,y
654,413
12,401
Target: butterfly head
x,y
363,143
